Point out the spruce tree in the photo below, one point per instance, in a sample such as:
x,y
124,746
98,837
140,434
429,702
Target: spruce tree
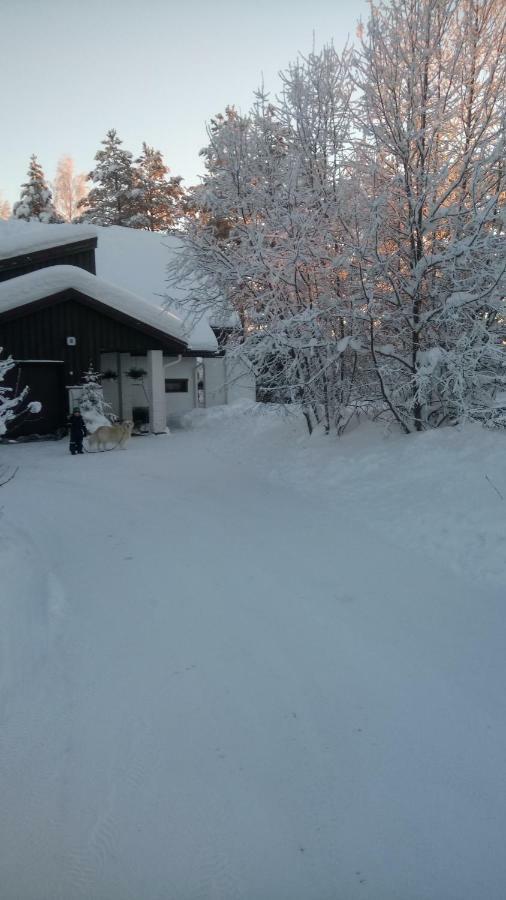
x,y
36,201
94,408
157,198
109,201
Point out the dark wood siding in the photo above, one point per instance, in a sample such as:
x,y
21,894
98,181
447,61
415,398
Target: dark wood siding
x,y
80,254
40,332
45,383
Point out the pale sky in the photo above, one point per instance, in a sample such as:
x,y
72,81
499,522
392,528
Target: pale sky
x,y
156,70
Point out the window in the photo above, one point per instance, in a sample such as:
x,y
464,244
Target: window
x,y
176,385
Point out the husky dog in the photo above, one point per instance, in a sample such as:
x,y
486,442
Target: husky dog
x,y
115,435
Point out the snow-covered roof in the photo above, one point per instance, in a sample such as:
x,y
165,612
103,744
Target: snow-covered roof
x,y
134,260
18,237
138,260
44,282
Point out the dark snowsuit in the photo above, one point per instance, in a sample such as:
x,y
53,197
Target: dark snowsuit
x,y
77,432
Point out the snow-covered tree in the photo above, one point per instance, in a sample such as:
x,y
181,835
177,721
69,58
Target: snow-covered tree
x,y
36,201
12,405
5,208
110,201
156,196
267,236
425,229
356,223
94,409
69,189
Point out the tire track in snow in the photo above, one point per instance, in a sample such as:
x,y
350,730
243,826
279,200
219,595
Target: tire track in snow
x,y
85,865
213,875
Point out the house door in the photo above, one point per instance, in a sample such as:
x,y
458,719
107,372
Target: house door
x,y
47,385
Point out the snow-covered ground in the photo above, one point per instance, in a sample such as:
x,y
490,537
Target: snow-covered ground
x,y
236,663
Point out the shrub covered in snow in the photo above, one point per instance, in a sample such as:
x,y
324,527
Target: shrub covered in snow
x,y
11,406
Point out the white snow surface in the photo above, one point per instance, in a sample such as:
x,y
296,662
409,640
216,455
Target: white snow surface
x,y
237,662
137,260
18,236
36,285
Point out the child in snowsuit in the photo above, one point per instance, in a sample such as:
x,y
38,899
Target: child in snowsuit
x,y
77,431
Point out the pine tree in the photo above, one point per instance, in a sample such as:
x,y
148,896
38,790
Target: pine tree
x,y
36,201
109,202
157,198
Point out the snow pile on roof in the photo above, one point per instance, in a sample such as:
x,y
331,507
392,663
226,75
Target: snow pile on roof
x,y
137,260
18,237
36,285
134,260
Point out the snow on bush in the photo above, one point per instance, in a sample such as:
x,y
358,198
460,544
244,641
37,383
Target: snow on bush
x,y
11,405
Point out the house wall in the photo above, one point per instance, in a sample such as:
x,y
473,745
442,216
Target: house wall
x,y
111,387
180,403
215,393
40,331
228,379
125,395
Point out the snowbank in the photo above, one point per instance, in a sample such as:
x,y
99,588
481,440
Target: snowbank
x,y
435,492
442,492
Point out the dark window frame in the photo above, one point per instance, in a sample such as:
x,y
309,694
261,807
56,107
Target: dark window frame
x,y
176,385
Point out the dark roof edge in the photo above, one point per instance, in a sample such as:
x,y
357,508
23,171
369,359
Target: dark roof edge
x,y
34,256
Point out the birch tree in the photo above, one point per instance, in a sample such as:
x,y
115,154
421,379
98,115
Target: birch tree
x,y
69,189
428,253
5,208
356,222
266,238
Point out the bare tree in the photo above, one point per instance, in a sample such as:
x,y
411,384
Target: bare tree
x,y
5,208
69,188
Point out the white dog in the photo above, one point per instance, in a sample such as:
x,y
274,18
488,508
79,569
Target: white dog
x,y
116,435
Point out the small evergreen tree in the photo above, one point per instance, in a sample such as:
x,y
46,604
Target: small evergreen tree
x,y
94,409
36,201
157,198
109,202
